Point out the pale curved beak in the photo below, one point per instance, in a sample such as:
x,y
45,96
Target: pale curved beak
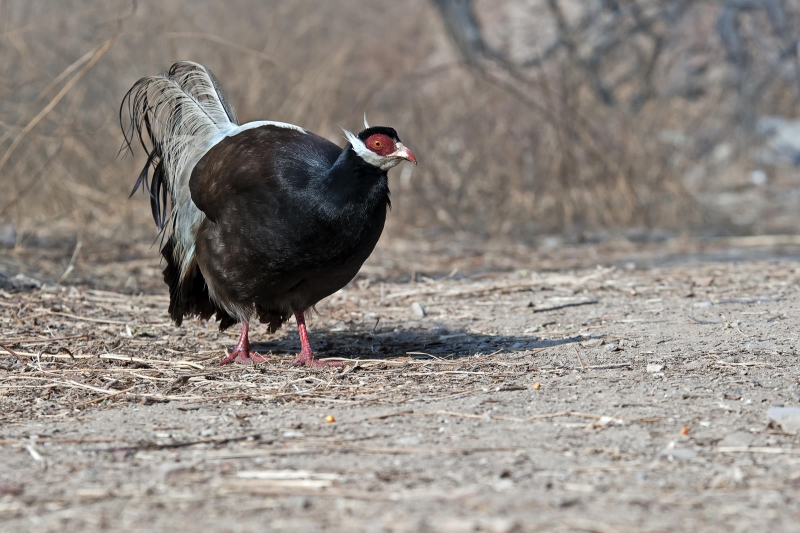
x,y
402,152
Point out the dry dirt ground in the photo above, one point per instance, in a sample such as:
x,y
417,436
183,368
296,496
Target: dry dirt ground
x,y
615,388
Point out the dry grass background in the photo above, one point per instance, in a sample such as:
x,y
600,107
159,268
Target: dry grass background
x,y
518,154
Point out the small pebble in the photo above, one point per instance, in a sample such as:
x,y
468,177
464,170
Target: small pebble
x,y
758,177
537,386
329,419
685,430
418,310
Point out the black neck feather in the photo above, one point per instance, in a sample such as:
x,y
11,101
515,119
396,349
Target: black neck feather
x,y
353,179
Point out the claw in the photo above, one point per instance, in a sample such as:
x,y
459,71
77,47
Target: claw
x,y
244,357
306,358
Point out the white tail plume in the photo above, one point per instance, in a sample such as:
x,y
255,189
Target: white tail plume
x,y
177,116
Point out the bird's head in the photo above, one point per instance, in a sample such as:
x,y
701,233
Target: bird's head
x,y
379,146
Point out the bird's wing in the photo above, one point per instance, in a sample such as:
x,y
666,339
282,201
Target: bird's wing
x,y
264,156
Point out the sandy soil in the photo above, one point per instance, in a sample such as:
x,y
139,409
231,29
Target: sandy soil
x,y
600,389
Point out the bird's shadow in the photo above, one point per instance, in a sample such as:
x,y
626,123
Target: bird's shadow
x,y
437,343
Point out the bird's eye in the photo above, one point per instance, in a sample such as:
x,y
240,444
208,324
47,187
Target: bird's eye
x,y
377,144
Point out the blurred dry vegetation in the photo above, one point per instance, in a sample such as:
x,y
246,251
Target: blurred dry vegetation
x,y
529,117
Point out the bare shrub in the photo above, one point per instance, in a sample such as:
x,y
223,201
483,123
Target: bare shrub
x,y
629,94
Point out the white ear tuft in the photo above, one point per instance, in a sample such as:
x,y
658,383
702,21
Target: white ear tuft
x,y
366,124
358,146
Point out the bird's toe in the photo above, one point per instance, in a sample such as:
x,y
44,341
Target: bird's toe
x,y
244,357
310,361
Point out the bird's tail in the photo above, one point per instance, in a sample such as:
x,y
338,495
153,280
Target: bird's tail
x,y
177,117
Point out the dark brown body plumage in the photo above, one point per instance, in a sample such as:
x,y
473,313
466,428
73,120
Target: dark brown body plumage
x,y
290,219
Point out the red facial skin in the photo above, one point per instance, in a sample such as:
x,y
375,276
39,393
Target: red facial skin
x,y
380,144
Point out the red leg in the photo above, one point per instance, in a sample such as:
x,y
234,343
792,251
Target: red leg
x,y
306,356
241,352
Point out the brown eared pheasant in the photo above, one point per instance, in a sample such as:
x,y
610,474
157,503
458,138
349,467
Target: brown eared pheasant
x,y
260,220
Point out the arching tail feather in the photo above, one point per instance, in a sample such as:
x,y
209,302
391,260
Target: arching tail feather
x,y
188,296
158,202
223,98
177,117
143,175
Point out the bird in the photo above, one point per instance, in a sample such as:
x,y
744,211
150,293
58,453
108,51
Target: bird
x,y
260,220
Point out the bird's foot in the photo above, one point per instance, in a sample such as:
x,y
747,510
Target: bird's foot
x,y
306,358
241,352
244,356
